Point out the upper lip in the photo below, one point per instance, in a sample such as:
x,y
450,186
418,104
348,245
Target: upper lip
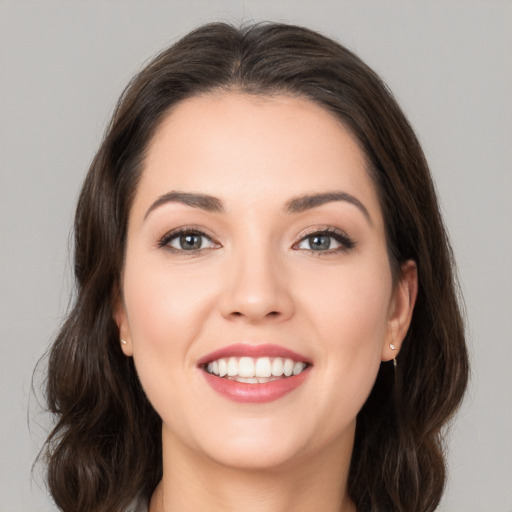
x,y
250,350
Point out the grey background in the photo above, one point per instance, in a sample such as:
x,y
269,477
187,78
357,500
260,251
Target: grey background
x,y
63,65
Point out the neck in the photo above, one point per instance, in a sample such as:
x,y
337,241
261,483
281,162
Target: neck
x,y
191,482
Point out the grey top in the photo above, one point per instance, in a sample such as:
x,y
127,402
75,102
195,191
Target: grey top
x,y
139,505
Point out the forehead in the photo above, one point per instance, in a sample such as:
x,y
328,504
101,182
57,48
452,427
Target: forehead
x,y
248,149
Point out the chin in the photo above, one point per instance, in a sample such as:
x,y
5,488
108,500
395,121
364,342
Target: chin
x,y
245,444
254,456
266,445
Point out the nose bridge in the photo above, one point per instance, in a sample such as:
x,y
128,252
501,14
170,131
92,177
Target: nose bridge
x,y
258,286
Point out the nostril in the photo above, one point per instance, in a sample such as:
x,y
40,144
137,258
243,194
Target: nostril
x,y
269,314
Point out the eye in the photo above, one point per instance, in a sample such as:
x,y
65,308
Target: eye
x,y
327,240
187,240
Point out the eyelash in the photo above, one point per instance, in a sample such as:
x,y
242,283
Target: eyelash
x,y
170,236
346,243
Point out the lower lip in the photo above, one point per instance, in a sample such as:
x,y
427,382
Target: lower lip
x,y
255,393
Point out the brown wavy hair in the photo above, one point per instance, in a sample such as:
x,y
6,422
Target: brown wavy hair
x,y
105,447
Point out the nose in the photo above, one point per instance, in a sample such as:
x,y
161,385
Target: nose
x,y
257,288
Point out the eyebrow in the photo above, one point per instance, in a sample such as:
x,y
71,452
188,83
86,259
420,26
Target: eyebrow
x,y
294,205
303,203
205,202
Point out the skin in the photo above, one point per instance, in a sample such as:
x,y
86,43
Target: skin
x,y
257,280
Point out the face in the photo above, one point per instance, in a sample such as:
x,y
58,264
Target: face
x,y
256,249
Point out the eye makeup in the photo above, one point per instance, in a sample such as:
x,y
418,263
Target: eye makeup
x,y
320,241
190,240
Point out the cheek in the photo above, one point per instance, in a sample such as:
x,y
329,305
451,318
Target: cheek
x,y
164,307
166,310
350,315
351,305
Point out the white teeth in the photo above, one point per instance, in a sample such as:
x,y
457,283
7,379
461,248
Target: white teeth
x,y
223,367
263,367
297,368
246,367
232,367
288,367
277,367
253,380
255,370
247,380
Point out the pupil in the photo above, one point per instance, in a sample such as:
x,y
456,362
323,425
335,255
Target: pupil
x,y
190,241
317,242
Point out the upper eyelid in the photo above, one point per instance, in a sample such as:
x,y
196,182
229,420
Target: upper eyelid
x,y
173,233
346,241
164,240
323,229
188,228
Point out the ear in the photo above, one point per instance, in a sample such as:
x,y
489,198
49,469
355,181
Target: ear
x,y
401,308
121,319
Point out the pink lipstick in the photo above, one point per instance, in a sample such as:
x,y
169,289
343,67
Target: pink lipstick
x,y
254,373
244,349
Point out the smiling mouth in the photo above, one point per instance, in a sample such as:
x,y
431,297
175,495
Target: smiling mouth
x,y
258,370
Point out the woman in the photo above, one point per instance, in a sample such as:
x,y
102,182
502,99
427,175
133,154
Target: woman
x,y
266,316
